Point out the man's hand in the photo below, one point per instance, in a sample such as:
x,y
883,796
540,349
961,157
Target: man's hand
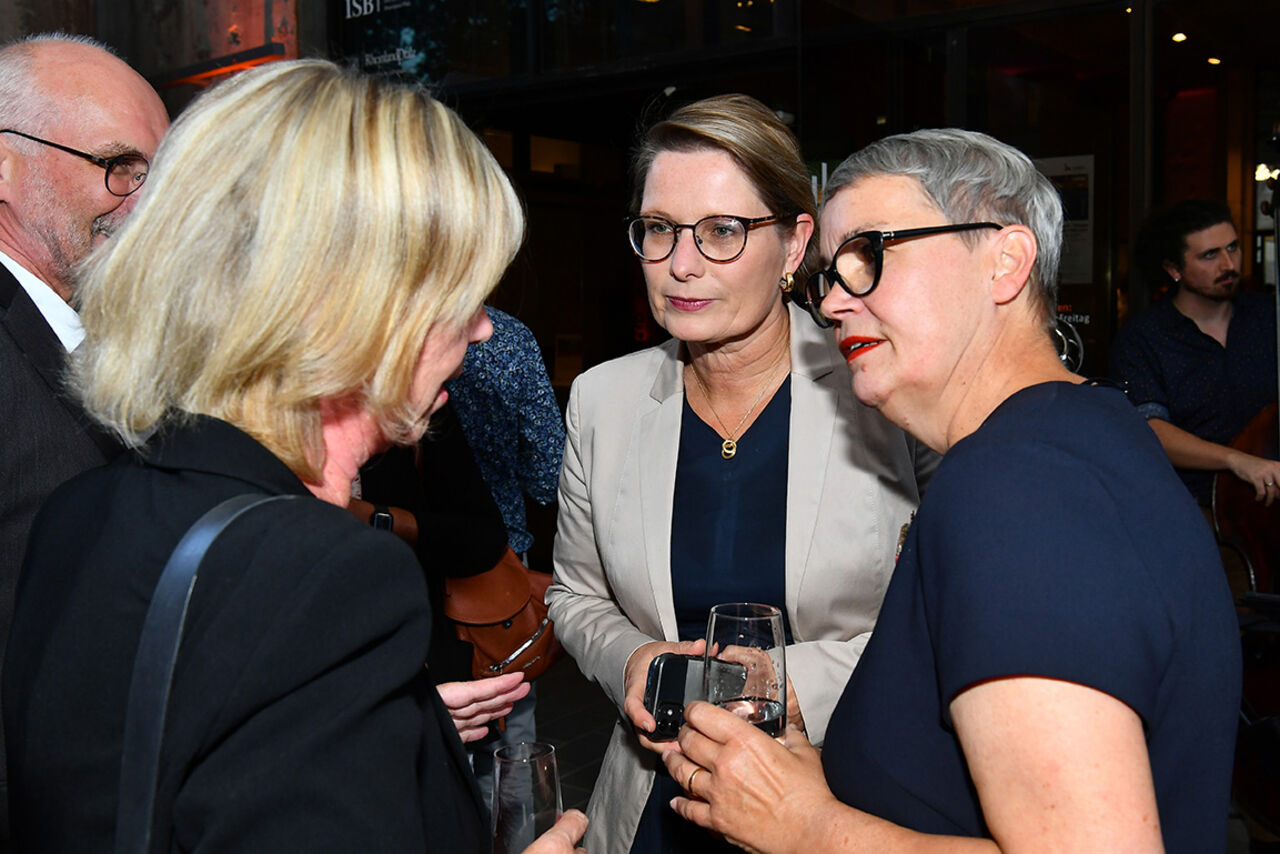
x,y
1260,473
1188,451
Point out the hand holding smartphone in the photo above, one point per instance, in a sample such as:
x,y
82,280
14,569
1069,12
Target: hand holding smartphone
x,y
674,681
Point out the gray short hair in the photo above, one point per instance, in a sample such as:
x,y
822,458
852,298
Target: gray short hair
x,y
972,177
23,102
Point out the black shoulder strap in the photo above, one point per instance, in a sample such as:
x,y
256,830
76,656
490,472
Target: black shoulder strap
x,y
153,672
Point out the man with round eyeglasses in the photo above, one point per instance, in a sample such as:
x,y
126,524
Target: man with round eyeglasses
x,y
78,128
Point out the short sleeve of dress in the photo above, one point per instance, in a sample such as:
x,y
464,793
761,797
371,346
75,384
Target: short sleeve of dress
x,y
1025,572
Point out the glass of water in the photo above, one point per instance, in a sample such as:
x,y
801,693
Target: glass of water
x,y
745,668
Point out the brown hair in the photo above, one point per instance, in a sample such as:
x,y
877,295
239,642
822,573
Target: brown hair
x,y
763,147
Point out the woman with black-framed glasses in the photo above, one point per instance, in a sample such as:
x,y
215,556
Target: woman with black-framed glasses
x,y
729,464
1056,665
858,261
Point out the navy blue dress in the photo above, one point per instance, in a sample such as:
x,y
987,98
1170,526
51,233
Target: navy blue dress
x,y
728,544
1055,541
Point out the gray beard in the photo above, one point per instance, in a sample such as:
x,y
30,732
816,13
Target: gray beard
x,y
66,249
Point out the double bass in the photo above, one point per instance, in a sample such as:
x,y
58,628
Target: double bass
x,y
1251,530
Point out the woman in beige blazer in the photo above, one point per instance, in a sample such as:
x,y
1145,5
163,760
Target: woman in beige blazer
x,y
725,216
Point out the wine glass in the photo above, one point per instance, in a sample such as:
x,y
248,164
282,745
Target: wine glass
x,y
526,794
745,668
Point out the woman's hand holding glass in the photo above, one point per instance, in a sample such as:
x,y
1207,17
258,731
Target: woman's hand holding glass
x,y
634,677
755,790
561,838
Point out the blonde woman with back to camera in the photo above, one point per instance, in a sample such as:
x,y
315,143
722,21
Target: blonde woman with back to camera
x,y
306,267
729,464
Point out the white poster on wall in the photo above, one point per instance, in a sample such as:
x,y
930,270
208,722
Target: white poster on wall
x,y
1073,176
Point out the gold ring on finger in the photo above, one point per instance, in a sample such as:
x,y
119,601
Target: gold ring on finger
x,y
694,773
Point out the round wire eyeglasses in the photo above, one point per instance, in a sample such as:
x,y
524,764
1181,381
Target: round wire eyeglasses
x,y
719,237
125,173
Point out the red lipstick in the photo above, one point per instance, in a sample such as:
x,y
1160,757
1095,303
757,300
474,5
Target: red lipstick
x,y
855,345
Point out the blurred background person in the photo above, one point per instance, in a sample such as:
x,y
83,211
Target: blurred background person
x,y
498,440
236,348
1057,663
1200,364
507,412
729,464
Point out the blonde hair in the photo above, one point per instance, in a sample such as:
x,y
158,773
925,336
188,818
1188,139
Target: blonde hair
x,y
302,230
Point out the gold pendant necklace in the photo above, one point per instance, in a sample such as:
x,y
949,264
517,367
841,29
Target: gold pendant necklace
x,y
729,447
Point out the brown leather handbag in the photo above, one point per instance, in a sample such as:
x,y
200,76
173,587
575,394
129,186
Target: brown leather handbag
x,y
501,613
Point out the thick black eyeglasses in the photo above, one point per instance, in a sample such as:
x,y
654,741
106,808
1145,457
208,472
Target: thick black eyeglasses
x,y
858,263
720,237
125,172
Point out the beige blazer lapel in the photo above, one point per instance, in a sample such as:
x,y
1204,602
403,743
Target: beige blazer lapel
x,y
660,431
813,402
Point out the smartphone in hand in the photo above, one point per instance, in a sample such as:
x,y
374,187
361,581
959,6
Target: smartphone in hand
x,y
675,680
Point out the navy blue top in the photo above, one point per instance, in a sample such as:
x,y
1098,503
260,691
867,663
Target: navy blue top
x,y
728,544
729,517
512,421
1179,374
1054,541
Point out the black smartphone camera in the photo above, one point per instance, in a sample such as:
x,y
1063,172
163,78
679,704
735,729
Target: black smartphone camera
x,y
675,680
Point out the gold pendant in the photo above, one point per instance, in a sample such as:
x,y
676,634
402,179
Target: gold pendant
x,y
728,448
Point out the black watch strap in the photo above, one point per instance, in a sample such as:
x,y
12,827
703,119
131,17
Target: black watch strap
x,y
382,518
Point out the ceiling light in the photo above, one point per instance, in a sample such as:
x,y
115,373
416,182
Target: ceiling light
x,y
1179,37
1263,172
1213,60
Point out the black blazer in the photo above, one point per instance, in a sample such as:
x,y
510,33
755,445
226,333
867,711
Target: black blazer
x,y
46,439
302,718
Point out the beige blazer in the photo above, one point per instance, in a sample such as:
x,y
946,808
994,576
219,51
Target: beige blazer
x,y
853,483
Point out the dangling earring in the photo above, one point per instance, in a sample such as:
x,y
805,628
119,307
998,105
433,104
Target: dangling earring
x,y
787,282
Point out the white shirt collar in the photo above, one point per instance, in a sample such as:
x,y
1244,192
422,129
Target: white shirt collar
x,y
61,317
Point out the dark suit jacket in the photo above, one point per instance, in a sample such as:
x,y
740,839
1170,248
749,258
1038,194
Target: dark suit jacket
x,y
301,719
46,439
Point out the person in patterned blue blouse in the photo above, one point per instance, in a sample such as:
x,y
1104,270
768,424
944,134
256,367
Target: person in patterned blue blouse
x,y
512,423
511,420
